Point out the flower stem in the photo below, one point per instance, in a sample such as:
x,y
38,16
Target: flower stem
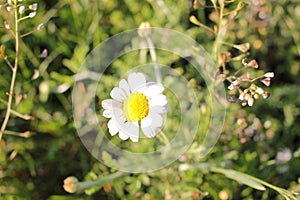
x,y
220,33
13,78
165,138
154,60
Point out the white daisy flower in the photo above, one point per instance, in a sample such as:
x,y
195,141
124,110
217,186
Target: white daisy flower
x,y
135,104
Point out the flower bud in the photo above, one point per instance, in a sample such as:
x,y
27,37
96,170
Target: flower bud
x,y
33,6
70,184
144,29
21,10
269,75
250,102
266,81
6,24
266,95
9,8
32,14
253,64
259,90
230,87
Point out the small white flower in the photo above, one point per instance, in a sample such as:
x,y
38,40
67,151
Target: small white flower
x,y
21,9
32,14
269,75
33,6
230,87
135,104
9,8
250,102
236,82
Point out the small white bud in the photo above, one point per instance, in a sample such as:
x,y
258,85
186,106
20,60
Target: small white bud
x,y
33,6
9,2
39,27
21,9
32,14
230,87
236,82
250,102
9,8
144,29
6,24
259,90
269,75
242,97
183,167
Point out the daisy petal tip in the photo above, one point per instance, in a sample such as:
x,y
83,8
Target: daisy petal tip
x,y
134,139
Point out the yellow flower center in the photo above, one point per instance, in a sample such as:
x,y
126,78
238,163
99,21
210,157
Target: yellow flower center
x,y
135,107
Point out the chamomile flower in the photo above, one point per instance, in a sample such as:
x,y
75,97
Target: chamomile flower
x,y
135,104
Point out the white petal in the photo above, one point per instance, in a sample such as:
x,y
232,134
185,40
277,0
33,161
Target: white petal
x,y
146,122
153,120
112,127
109,104
153,90
160,109
157,120
107,114
124,86
136,81
134,139
118,94
131,129
149,132
159,100
123,136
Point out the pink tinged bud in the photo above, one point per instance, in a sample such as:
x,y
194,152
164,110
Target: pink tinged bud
x,y
236,82
247,96
266,95
253,64
245,76
266,81
230,87
269,75
242,96
6,25
245,61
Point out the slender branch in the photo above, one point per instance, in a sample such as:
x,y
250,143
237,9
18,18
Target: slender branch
x,y
220,32
154,60
14,74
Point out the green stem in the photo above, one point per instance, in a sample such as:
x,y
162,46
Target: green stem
x,y
220,34
165,138
14,74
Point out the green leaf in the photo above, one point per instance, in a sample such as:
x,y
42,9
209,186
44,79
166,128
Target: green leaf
x,y
239,177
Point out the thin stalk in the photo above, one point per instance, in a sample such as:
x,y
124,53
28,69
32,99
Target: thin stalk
x,y
219,37
154,59
13,78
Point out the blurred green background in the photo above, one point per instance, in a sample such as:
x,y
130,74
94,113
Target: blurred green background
x,y
262,140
